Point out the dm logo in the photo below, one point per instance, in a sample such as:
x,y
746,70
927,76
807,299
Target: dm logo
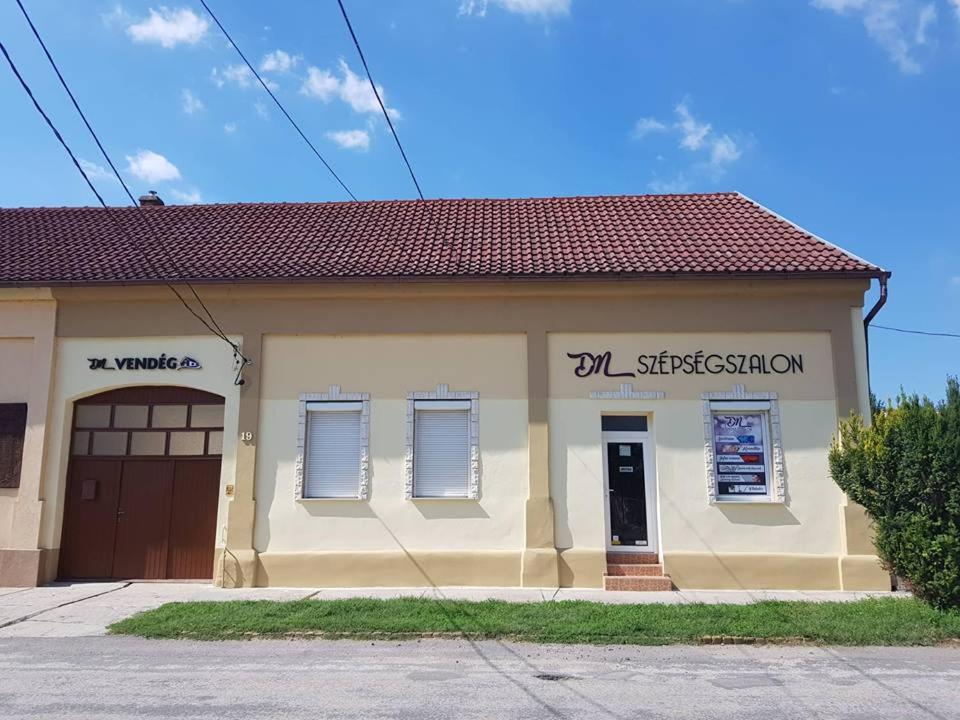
x,y
188,363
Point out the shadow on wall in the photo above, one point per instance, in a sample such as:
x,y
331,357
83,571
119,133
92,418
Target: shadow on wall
x,y
439,509
449,508
331,507
768,515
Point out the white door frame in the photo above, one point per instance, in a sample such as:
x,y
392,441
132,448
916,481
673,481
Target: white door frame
x,y
650,489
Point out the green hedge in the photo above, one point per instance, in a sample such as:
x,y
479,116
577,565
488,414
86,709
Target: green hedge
x,y
905,470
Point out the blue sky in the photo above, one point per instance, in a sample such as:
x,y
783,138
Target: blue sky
x,y
841,115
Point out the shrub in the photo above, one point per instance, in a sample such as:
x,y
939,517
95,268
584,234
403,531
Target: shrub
x,y
905,470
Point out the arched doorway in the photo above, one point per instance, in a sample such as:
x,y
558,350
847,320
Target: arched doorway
x,y
142,485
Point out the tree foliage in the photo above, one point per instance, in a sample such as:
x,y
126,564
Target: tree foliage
x,y
905,470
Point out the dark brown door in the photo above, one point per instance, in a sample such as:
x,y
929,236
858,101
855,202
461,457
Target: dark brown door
x,y
143,485
143,519
193,519
90,519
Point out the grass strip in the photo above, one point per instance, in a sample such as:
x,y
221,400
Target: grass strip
x,y
880,621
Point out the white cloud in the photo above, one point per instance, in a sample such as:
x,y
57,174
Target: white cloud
x,y
675,186
238,75
357,93
187,197
151,167
927,17
473,7
530,8
712,152
191,103
97,172
351,89
723,151
885,27
900,27
279,61
117,16
956,7
692,133
169,27
351,139
230,128
261,107
536,7
646,126
320,84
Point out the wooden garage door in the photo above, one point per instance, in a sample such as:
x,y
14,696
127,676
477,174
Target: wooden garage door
x,y
142,485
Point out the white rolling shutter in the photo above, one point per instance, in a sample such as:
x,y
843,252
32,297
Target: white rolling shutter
x,y
441,450
333,447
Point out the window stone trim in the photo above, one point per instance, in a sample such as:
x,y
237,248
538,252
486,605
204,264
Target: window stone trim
x,y
443,392
778,491
626,392
333,394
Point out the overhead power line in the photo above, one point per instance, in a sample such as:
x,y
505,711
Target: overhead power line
x,y
376,92
278,103
916,332
120,227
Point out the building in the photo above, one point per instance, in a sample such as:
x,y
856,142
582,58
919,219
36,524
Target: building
x,y
450,392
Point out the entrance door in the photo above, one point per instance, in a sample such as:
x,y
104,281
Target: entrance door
x,y
143,520
143,485
193,522
89,518
631,492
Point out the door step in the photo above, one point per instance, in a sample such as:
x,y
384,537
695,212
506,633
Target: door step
x,y
648,570
638,572
637,584
632,558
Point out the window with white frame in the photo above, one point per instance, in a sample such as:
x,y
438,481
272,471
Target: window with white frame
x,y
442,449
333,450
742,450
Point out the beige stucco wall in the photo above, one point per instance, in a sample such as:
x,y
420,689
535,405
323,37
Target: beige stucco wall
x,y
688,523
74,380
387,368
860,568
16,361
27,322
497,338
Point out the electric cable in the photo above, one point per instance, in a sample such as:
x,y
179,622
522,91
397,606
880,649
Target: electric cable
x,y
120,227
376,92
275,100
916,332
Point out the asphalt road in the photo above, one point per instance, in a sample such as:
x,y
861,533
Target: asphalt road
x,y
120,677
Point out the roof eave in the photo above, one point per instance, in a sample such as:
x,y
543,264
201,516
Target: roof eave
x,y
868,274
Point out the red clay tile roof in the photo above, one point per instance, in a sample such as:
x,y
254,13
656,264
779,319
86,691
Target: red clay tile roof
x,y
634,236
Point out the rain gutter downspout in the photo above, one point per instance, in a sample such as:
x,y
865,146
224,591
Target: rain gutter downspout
x,y
881,301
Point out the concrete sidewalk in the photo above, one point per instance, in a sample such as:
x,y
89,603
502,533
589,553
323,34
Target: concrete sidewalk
x,y
86,609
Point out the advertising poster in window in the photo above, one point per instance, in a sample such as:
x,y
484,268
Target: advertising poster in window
x,y
740,453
